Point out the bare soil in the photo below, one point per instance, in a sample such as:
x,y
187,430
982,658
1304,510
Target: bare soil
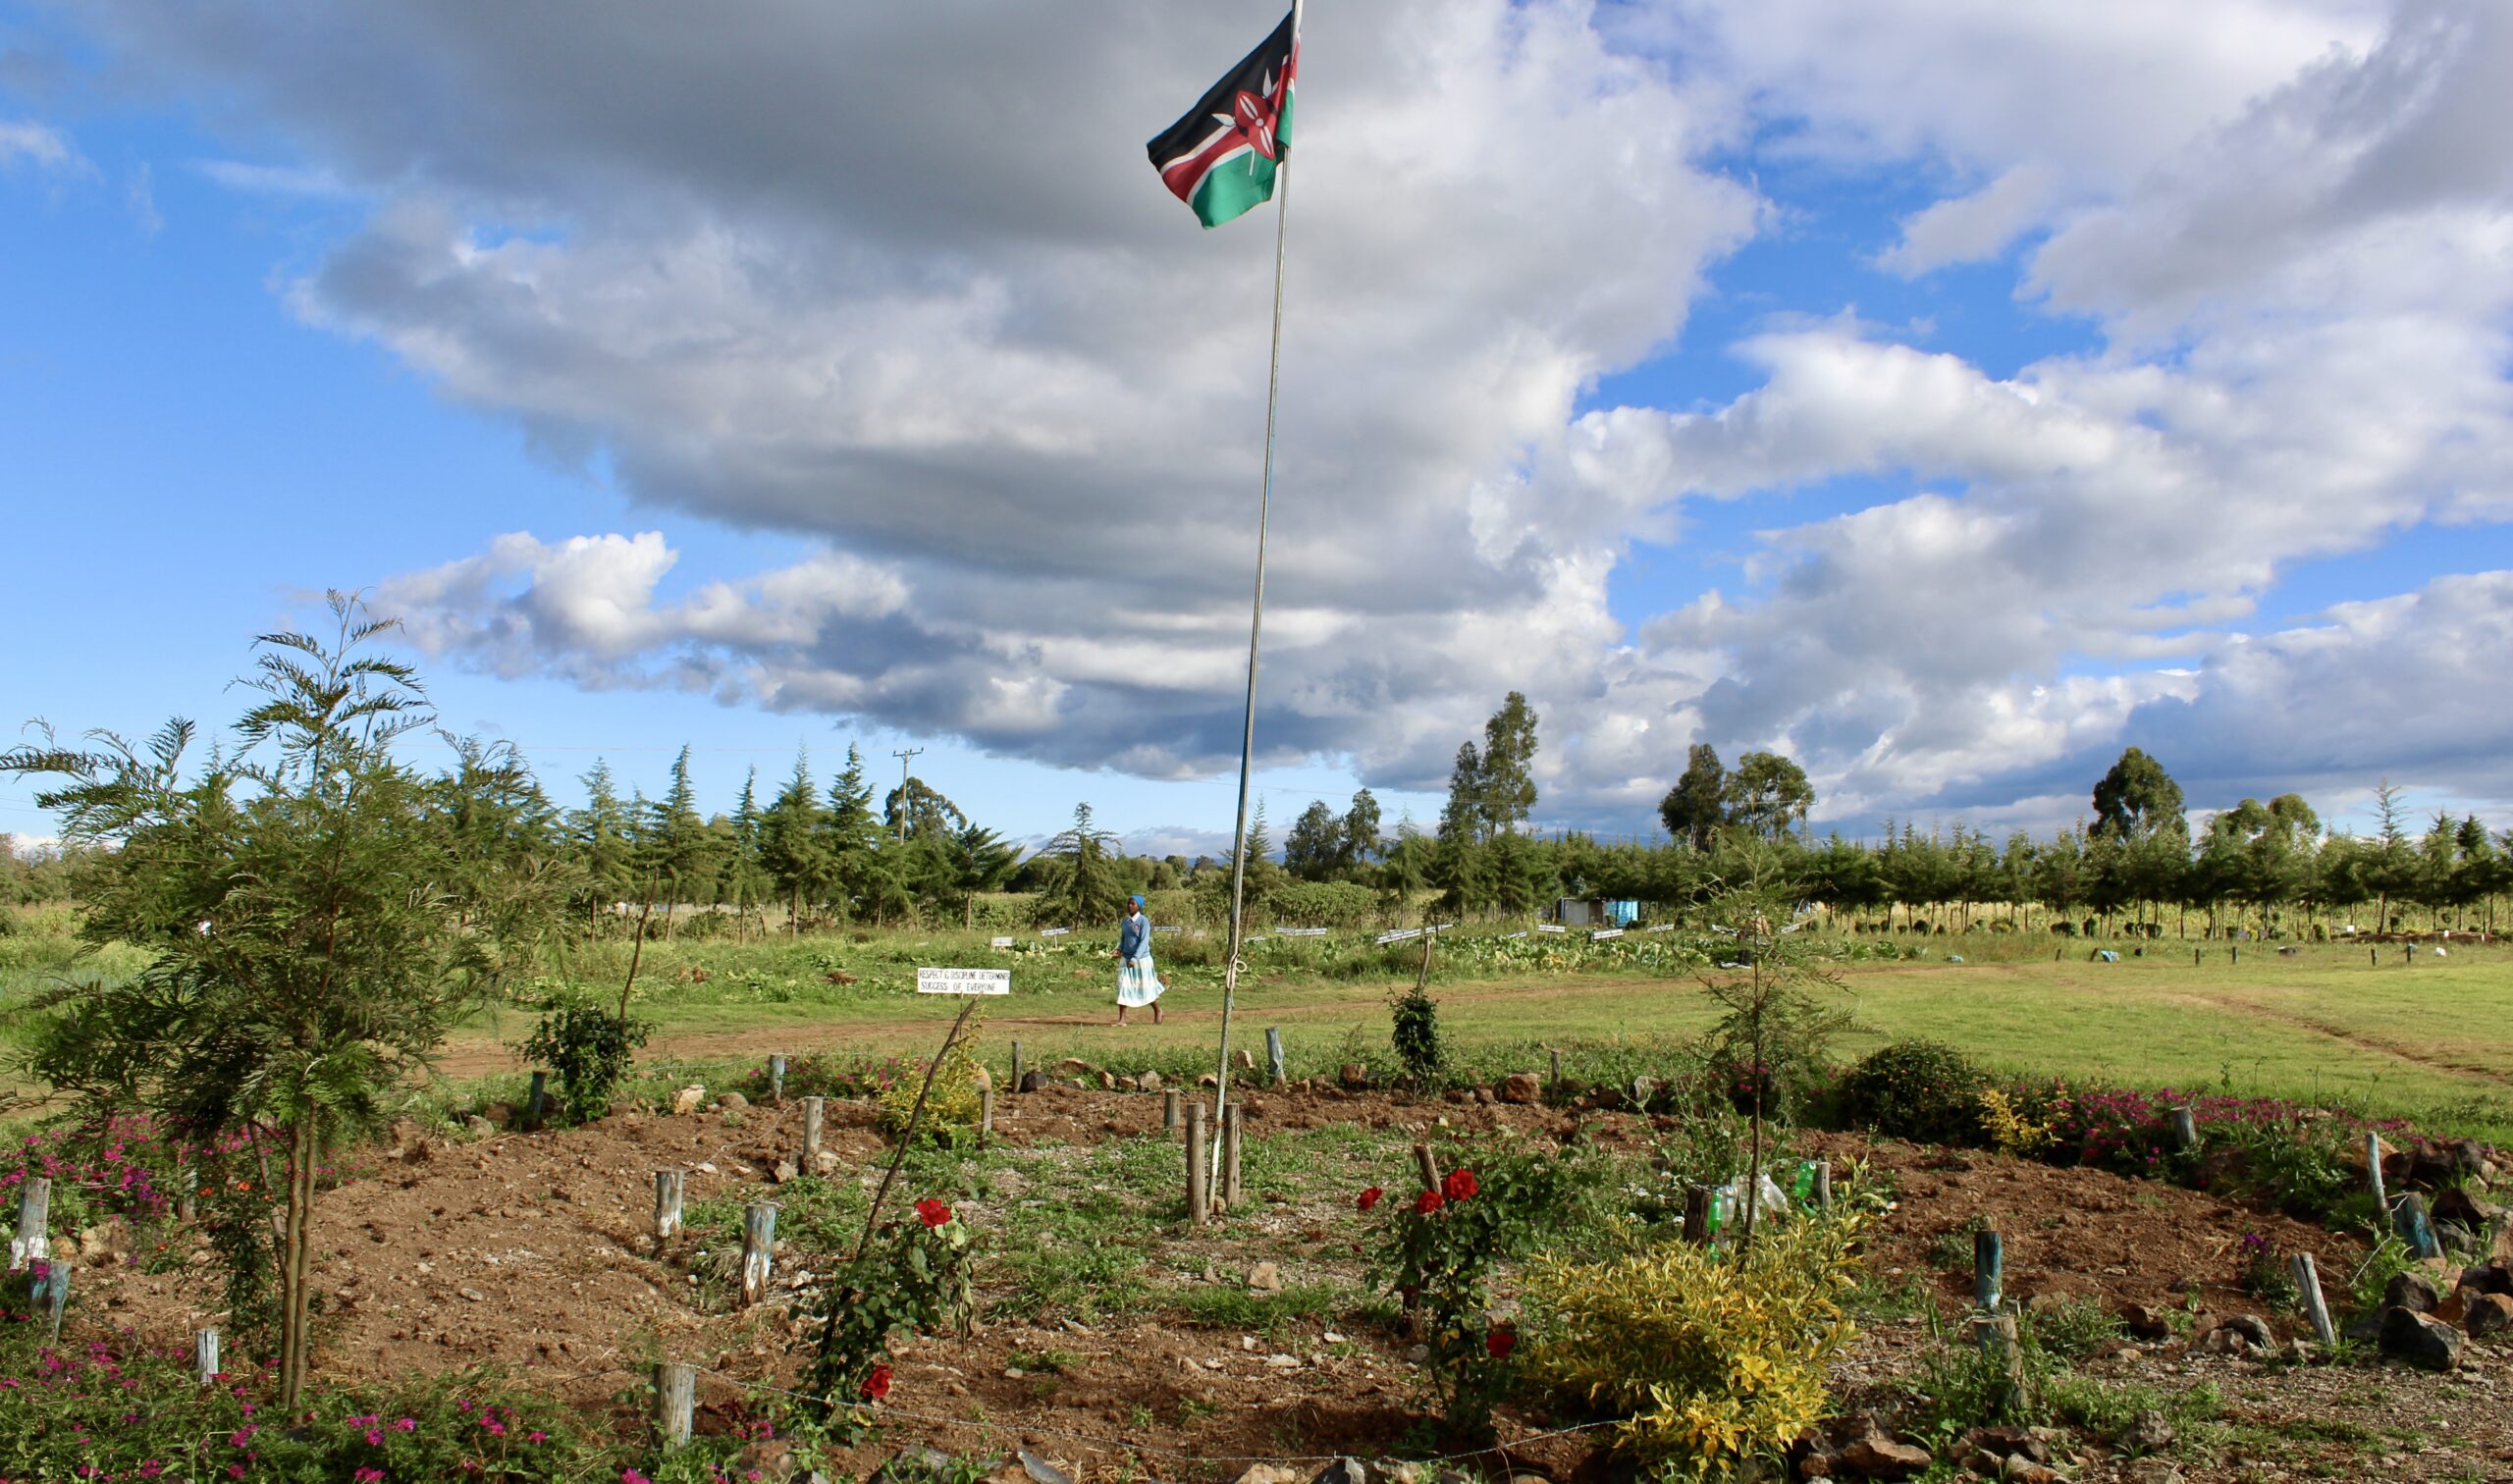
x,y
531,1253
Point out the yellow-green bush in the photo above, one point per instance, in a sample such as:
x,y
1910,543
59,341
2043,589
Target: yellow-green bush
x,y
1711,1357
951,1104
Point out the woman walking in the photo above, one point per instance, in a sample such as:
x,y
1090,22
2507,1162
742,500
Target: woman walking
x,y
1138,980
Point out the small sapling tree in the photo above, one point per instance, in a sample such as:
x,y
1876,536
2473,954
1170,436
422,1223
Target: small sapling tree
x,y
304,912
1774,1022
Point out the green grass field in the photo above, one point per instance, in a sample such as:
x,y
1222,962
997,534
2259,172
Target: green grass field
x,y
2431,1040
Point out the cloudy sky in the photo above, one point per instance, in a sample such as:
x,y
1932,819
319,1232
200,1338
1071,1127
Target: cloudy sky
x,y
1946,393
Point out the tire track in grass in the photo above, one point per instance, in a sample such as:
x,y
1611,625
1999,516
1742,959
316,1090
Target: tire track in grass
x,y
2375,1044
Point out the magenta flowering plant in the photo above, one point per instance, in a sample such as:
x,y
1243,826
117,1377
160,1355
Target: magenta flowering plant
x,y
127,1410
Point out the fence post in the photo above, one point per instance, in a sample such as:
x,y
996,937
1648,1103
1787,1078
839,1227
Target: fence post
x,y
2181,1128
1199,1210
2316,1309
2373,1169
758,1246
536,1103
1169,1111
1989,1271
1274,1064
777,1081
675,1399
1557,1067
2415,1228
985,1114
55,1291
1823,1184
1016,1065
1427,1167
1697,1215
35,1213
667,1206
205,1356
1230,1132
815,1111
187,1193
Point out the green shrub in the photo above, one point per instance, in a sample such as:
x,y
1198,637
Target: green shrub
x,y
1922,1090
1416,1036
590,1049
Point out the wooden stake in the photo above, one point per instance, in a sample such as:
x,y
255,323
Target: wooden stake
x,y
1989,1271
1427,1167
1697,1215
814,1113
1230,1132
205,1356
35,1210
1016,1065
758,1246
1169,1111
667,1206
1198,1198
1823,1184
2181,1130
777,1081
676,1401
187,1193
2308,1284
2373,1169
1274,1064
536,1103
985,1114
1556,1066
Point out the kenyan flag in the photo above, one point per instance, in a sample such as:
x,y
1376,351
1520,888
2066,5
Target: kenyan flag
x,y
1222,157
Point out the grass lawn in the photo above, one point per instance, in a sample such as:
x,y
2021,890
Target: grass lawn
x,y
2431,1039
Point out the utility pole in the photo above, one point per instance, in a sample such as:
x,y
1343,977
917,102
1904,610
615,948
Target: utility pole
x,y
903,756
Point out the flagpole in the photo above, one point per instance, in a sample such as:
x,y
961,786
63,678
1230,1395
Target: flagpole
x,y
1256,629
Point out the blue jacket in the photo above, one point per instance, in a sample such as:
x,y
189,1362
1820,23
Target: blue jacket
x,y
1134,936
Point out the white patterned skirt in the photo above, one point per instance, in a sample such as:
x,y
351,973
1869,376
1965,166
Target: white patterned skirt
x,y
1138,983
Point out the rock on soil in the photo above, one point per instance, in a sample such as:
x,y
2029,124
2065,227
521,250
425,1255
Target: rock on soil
x,y
2488,1315
2423,1342
1520,1088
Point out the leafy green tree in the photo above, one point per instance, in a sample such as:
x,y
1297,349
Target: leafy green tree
x,y
793,844
1362,842
1695,809
1315,849
1767,794
913,811
852,837
602,834
304,954
1084,890
2137,797
980,860
1505,780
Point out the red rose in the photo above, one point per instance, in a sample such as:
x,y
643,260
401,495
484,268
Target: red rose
x,y
1369,1197
1427,1202
1460,1185
931,1212
1500,1343
877,1384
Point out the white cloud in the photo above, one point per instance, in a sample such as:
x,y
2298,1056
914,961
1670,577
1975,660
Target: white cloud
x,y
896,284
41,146
1969,229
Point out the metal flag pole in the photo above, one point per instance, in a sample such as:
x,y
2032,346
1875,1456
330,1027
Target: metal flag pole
x,y
1255,623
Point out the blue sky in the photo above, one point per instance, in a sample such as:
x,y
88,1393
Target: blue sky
x,y
1811,391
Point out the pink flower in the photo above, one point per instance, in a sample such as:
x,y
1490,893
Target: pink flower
x,y
406,1425
536,1436
368,1476
375,1437
631,1476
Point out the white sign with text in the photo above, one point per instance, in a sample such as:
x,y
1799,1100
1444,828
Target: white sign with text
x,y
964,981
